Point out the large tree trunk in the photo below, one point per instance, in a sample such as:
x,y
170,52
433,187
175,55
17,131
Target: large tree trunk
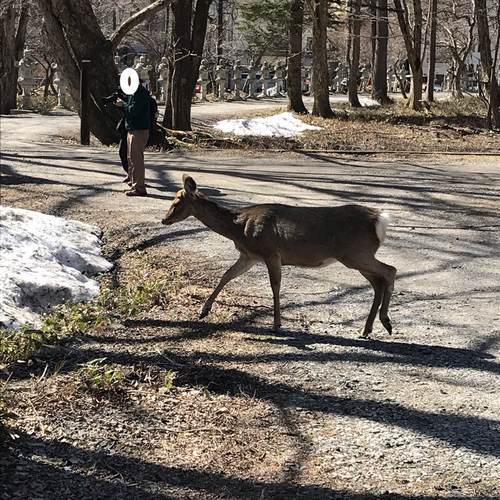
x,y
379,91
21,33
189,39
181,88
8,79
432,52
355,20
75,35
73,41
417,81
294,77
321,106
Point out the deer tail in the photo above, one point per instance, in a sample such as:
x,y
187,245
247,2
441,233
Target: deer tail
x,y
381,225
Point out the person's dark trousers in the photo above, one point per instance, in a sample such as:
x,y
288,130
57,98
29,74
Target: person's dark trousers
x,y
122,149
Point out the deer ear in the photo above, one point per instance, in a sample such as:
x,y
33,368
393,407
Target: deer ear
x,y
189,184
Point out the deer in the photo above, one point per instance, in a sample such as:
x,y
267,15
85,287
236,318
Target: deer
x,y
283,235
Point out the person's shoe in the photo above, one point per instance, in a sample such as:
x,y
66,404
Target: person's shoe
x,y
135,192
126,180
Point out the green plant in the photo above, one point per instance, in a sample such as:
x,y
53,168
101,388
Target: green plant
x,y
110,306
168,381
95,375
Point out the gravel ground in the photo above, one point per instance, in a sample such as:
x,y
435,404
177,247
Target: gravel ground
x,y
312,412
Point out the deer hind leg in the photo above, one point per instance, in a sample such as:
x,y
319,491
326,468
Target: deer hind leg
x,y
378,288
384,274
389,277
274,268
242,265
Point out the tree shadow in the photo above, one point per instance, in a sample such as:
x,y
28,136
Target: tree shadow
x,y
51,463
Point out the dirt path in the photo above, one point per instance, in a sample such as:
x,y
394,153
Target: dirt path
x,y
314,412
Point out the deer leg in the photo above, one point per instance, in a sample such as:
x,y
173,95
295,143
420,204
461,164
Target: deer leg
x,y
378,288
243,264
368,265
389,277
274,269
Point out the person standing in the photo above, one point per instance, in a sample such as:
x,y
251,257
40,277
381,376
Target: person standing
x,y
137,123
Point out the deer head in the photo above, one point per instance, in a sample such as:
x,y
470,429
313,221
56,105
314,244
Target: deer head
x,y
182,206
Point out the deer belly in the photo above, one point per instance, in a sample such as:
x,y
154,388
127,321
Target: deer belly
x,y
307,262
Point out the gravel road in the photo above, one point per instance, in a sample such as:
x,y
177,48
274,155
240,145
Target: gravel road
x,y
414,415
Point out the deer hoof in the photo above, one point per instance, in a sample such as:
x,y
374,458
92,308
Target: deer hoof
x,y
366,334
387,324
204,313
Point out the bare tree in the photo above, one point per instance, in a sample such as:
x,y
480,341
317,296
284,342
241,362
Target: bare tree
x,y
459,29
319,13
295,102
410,24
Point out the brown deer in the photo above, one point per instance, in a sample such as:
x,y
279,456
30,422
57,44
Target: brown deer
x,y
282,235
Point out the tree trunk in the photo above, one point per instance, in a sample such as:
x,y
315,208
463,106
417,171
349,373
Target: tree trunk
x,y
181,88
379,91
373,30
167,115
321,106
457,81
432,53
21,34
355,19
8,80
73,41
294,77
220,29
412,36
417,80
188,51
487,62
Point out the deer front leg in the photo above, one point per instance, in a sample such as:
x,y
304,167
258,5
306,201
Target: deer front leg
x,y
384,310
274,269
243,264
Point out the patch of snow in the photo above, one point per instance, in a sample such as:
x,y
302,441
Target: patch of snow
x,y
282,125
368,101
45,260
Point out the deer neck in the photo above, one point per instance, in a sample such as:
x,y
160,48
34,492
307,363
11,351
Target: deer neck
x,y
216,218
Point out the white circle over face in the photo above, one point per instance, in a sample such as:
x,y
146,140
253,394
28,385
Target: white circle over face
x,y
129,81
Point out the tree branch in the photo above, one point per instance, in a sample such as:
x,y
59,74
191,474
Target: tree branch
x,y
135,20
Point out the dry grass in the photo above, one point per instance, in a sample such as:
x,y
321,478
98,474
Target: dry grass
x,y
454,126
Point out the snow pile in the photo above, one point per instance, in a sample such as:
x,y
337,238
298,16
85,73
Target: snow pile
x,y
45,260
368,101
282,125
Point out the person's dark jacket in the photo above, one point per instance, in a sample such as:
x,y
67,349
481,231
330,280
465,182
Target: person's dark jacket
x,y
137,110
